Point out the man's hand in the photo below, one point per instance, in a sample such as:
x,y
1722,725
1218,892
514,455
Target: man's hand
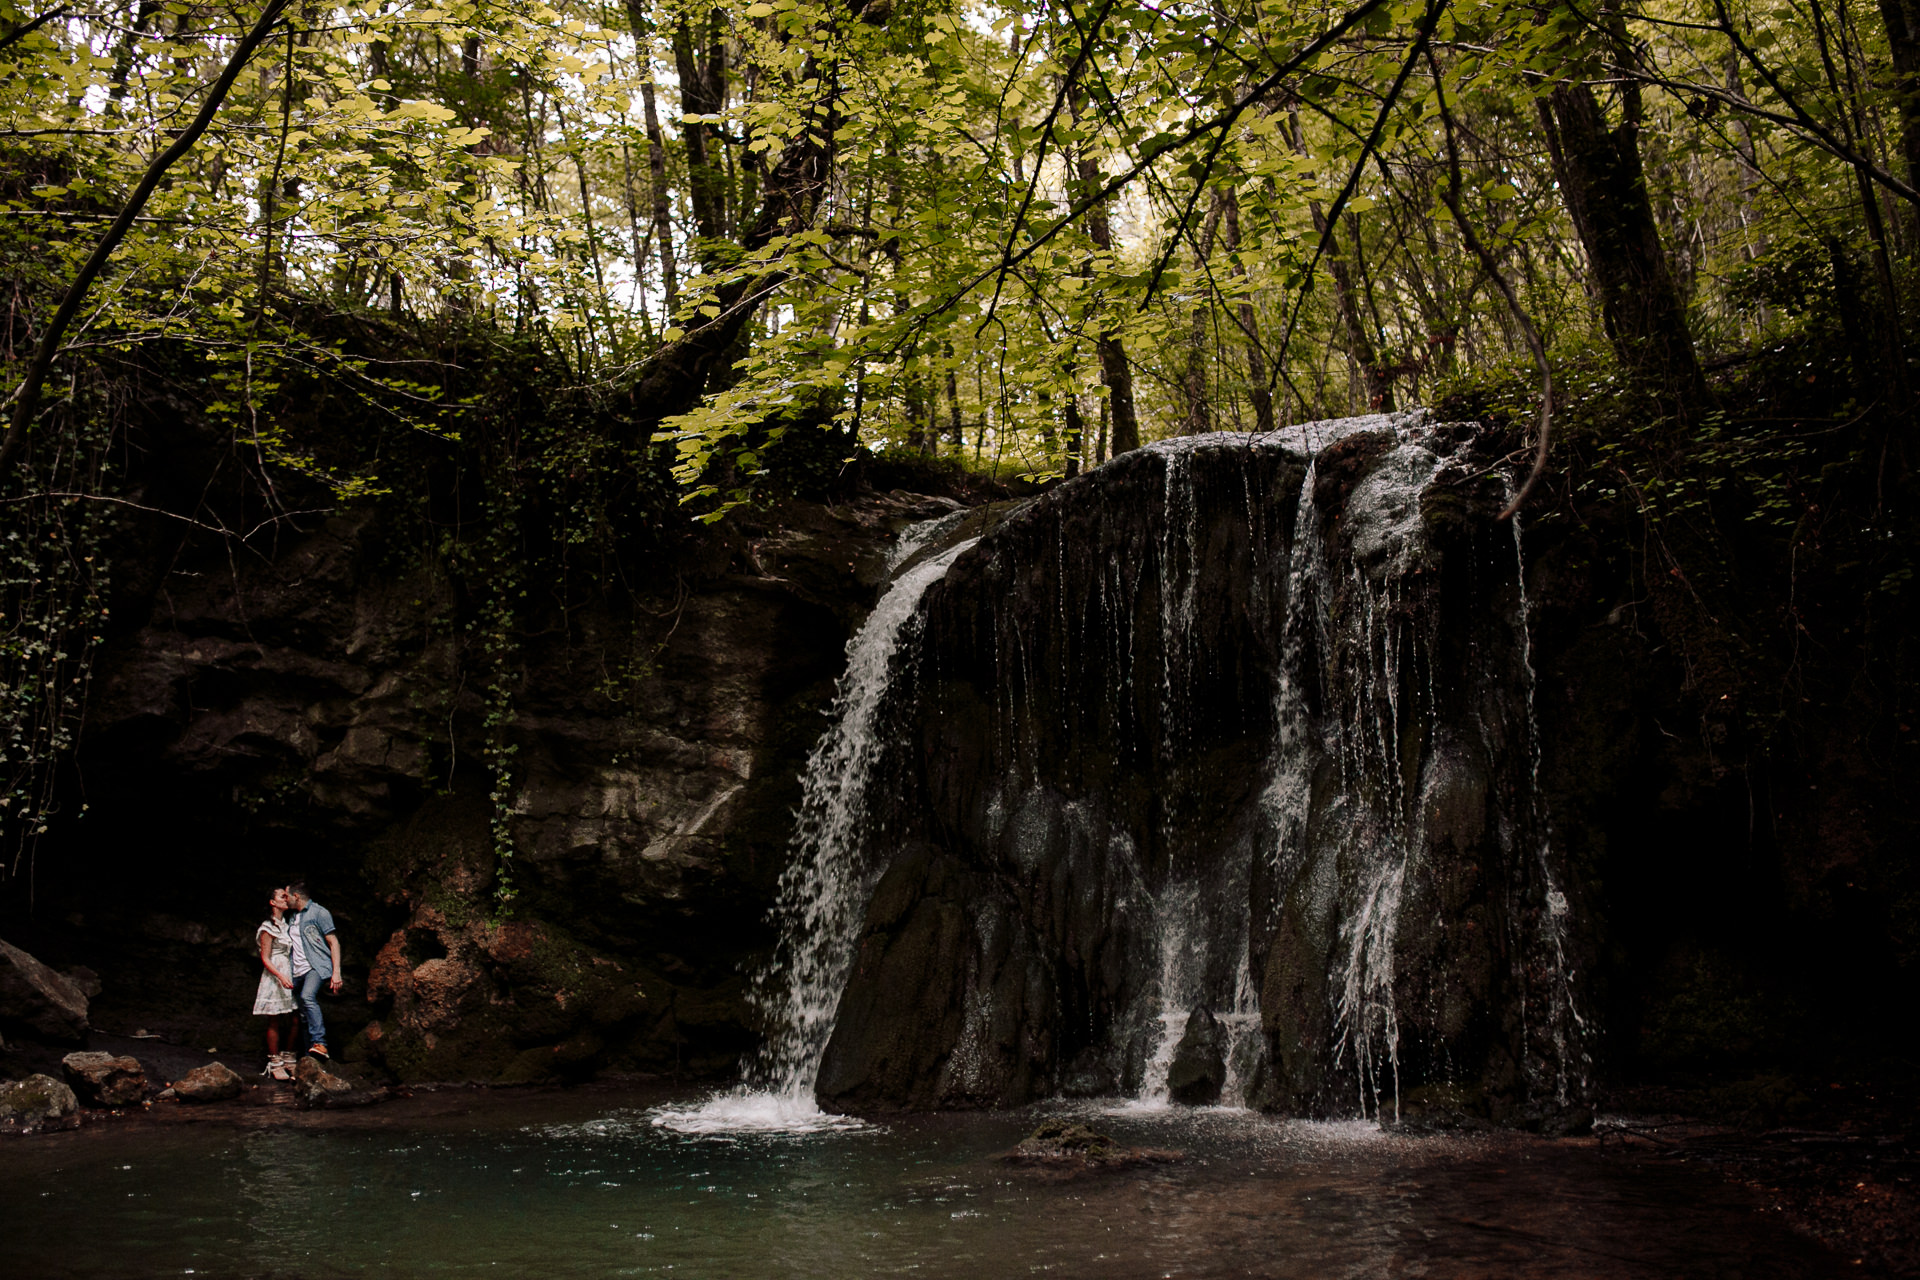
x,y
335,985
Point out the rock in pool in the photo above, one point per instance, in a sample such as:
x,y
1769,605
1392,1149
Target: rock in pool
x,y
1074,1147
215,1082
33,1100
315,1086
102,1079
1199,1068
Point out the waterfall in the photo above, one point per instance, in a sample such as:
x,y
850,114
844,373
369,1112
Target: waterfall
x,y
1213,776
1357,645
1569,1062
1189,939
824,890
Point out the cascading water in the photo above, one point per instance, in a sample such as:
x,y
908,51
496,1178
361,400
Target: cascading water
x,y
1356,645
1409,761
1569,1061
1217,782
824,890
1187,935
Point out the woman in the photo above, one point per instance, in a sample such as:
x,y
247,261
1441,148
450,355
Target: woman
x,y
274,1000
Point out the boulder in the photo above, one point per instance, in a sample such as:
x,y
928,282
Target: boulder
x,y
37,1098
1067,1146
215,1082
315,1086
101,1079
1199,1068
39,1000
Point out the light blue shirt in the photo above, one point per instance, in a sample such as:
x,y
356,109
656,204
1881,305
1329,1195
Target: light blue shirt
x,y
313,923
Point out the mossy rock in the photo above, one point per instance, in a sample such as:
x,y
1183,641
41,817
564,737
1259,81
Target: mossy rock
x,y
1072,1147
37,1099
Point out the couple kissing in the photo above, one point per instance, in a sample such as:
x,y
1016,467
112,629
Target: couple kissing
x,y
299,952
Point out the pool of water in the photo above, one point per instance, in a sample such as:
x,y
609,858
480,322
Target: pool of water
x,y
587,1184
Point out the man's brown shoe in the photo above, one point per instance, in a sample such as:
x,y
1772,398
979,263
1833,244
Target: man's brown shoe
x,y
319,1051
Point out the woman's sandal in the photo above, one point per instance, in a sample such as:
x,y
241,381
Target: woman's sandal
x,y
280,1068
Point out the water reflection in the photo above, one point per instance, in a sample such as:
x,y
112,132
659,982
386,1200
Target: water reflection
x,y
569,1187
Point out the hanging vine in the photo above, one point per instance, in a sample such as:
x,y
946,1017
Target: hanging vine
x,y
53,608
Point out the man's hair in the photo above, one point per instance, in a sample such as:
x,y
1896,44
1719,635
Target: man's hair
x,y
297,886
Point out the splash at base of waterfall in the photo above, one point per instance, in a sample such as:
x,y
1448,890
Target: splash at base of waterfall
x,y
738,1111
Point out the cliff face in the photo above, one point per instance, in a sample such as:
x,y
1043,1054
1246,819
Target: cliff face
x,y
309,709
1085,771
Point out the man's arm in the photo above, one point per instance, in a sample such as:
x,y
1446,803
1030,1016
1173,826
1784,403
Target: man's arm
x,y
333,945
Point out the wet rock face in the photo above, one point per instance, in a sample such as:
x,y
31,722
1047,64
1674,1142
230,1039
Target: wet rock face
x,y
104,1080
36,1000
1204,730
309,709
1060,785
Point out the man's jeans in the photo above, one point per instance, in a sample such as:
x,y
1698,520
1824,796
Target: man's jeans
x,y
306,995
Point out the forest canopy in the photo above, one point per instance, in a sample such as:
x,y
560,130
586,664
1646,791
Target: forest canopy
x,y
952,225
1026,239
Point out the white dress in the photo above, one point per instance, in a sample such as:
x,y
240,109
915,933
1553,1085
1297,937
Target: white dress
x,y
273,998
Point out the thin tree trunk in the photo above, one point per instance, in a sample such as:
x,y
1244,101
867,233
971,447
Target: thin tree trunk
x,y
1257,390
678,374
1374,383
1076,428
954,422
642,27
1194,382
123,56
662,208
1115,372
703,93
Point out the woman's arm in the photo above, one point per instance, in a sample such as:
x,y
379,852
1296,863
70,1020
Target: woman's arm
x,y
266,960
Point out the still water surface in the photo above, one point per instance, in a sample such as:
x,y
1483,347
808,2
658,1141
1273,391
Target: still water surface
x,y
585,1184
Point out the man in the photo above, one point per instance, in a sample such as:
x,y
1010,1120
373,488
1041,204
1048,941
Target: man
x,y
316,959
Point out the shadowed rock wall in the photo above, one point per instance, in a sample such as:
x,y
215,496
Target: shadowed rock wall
x,y
310,708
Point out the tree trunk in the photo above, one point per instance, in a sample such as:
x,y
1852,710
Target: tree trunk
x,y
955,423
703,93
1902,20
661,210
1376,383
1605,189
677,375
1076,428
1115,372
1194,382
1257,390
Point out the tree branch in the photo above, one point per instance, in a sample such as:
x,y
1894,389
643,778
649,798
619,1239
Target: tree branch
x,y
28,394
26,29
